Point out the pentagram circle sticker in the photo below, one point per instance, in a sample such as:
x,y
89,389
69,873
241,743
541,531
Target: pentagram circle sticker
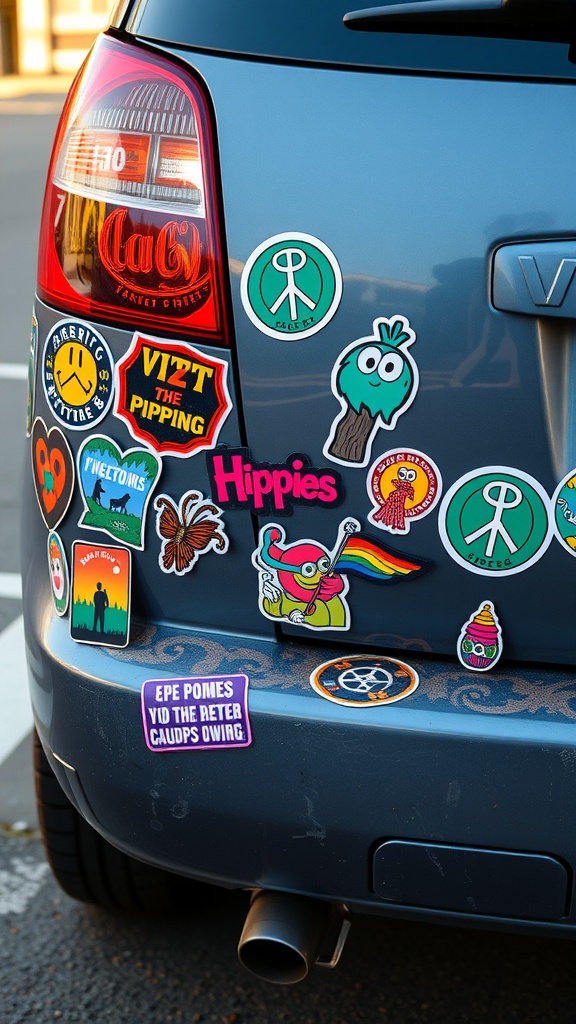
x,y
364,681
291,286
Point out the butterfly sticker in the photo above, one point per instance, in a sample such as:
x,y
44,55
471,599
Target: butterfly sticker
x,y
188,530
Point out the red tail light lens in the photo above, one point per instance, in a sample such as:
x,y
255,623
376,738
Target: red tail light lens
x,y
130,229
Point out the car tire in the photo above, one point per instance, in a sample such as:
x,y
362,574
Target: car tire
x,y
86,866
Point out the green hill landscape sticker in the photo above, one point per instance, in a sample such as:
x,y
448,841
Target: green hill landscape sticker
x,y
116,487
100,606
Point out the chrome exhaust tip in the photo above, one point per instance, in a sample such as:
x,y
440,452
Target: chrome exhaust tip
x,y
284,936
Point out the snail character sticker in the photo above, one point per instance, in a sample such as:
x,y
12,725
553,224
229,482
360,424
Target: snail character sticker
x,y
116,487
237,481
196,713
188,530
291,286
52,472
100,611
364,681
403,486
306,584
58,568
564,505
31,396
77,373
172,397
495,521
480,640
375,380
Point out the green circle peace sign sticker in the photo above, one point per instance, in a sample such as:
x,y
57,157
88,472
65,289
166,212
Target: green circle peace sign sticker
x,y
291,286
495,521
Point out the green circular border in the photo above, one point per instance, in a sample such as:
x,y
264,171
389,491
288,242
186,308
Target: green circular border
x,y
449,510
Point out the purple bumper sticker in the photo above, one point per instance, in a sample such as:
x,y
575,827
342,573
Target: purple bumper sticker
x,y
196,713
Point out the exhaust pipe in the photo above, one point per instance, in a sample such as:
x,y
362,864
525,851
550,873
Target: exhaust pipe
x,y
284,936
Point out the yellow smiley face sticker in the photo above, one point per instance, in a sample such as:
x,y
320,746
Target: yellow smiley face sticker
x,y
75,373
78,373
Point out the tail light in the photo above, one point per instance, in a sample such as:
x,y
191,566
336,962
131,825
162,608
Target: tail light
x,y
130,229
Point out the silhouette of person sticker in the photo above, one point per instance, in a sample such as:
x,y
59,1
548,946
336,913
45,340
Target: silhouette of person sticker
x,y
100,605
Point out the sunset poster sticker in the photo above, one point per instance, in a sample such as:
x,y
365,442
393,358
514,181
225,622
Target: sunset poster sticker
x,y
100,595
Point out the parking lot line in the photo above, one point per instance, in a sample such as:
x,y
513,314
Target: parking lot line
x,y
16,717
10,585
13,371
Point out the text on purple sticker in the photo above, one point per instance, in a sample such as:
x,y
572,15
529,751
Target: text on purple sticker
x,y
196,713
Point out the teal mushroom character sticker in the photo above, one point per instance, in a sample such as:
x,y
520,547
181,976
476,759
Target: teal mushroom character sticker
x,y
375,380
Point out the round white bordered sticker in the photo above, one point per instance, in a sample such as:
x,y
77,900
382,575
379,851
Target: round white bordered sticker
x,y
364,680
77,374
291,286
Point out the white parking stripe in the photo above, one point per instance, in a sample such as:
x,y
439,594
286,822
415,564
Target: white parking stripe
x,y
13,371
20,883
10,585
16,716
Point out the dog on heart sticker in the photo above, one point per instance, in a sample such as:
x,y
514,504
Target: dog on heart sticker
x,y
52,472
116,487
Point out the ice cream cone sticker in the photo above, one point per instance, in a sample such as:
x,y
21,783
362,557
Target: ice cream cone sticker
x,y
375,380
480,640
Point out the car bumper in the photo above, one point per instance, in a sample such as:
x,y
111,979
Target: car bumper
x,y
351,804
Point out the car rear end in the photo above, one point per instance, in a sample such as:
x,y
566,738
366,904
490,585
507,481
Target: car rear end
x,y
322,274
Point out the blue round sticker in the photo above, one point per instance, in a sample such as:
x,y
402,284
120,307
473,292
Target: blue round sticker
x,y
364,681
77,373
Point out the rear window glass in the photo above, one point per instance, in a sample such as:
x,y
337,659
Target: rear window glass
x,y
313,31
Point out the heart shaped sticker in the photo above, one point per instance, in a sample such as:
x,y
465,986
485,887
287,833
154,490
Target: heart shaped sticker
x,y
116,487
52,472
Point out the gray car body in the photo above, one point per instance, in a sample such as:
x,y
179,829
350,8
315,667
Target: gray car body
x,y
459,802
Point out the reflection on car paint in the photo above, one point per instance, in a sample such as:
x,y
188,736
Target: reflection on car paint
x,y
31,394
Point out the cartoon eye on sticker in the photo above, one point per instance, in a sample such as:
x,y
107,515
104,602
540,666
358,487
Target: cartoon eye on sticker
x,y
308,570
403,486
306,585
58,568
480,640
390,367
375,380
